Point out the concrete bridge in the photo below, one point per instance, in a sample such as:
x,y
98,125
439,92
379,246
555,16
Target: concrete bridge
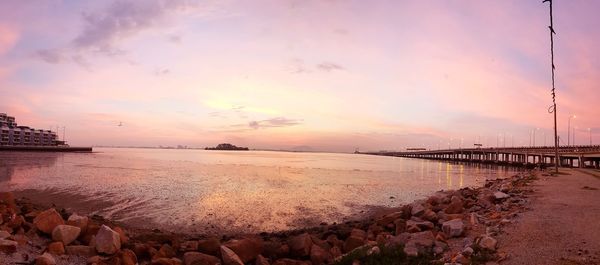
x,y
570,156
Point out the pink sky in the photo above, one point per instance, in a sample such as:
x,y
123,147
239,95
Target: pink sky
x,y
329,75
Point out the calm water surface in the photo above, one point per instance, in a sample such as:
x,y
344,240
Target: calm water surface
x,y
212,191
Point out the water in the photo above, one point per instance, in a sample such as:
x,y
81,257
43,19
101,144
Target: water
x,y
211,192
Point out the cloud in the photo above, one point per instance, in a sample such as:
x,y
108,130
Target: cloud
x,y
123,19
51,56
160,72
273,122
174,38
297,66
104,30
329,67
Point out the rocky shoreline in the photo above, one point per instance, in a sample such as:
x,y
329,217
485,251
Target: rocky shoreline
x,y
455,227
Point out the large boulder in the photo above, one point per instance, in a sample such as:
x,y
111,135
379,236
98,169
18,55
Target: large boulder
x,y
47,220
319,256
455,206
229,257
107,240
247,249
4,234
197,258
453,228
352,242
65,233
417,209
300,245
260,260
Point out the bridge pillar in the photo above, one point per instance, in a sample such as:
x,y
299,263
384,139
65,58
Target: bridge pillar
x,y
581,161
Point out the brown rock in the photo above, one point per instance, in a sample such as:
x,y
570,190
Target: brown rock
x,y
424,239
260,260
65,233
359,233
334,241
318,255
229,257
4,234
8,246
291,262
400,225
189,246
166,261
388,218
210,246
128,257
335,252
78,221
16,222
197,258
47,220
454,207
56,248
247,249
300,245
84,251
352,242
107,241
45,259
124,238
488,242
165,251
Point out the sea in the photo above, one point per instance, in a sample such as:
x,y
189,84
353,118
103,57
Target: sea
x,y
220,192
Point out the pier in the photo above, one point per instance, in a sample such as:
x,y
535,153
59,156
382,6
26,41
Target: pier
x,y
584,156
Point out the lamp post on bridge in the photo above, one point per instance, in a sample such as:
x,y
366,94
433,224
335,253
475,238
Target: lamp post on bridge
x,y
590,130
569,129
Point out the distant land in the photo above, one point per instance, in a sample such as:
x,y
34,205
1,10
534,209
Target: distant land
x,y
227,147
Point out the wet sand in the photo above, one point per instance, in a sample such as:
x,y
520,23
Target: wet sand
x,y
563,225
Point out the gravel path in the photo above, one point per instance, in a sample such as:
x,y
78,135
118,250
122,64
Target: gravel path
x,y
563,225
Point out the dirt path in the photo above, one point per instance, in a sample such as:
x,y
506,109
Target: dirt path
x,y
563,225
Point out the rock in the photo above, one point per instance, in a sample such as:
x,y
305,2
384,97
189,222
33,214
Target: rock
x,y
47,220
84,251
189,246
8,246
388,218
429,215
319,256
45,259
229,257
56,248
260,260
300,245
400,225
124,238
95,260
211,246
335,252
455,206
79,221
291,262
165,251
411,250
359,233
473,219
453,228
417,209
352,242
467,252
424,239
65,233
373,251
4,234
488,242
247,249
498,195
166,261
425,225
128,257
197,258
107,240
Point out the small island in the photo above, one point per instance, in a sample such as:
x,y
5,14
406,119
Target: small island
x,y
227,147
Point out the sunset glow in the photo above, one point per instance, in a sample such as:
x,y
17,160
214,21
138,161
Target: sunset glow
x,y
302,75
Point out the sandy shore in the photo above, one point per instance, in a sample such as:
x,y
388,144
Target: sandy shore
x,y
563,225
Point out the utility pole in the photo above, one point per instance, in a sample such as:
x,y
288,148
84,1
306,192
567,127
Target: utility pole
x,y
552,108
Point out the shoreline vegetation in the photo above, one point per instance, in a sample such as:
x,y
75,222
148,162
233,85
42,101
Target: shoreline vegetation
x,y
227,147
459,226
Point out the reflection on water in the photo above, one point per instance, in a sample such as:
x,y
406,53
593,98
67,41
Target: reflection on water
x,y
211,191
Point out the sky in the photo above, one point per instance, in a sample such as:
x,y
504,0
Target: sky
x,y
301,75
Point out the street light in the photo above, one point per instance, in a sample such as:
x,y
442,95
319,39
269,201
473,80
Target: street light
x,y
590,130
574,129
534,136
569,130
